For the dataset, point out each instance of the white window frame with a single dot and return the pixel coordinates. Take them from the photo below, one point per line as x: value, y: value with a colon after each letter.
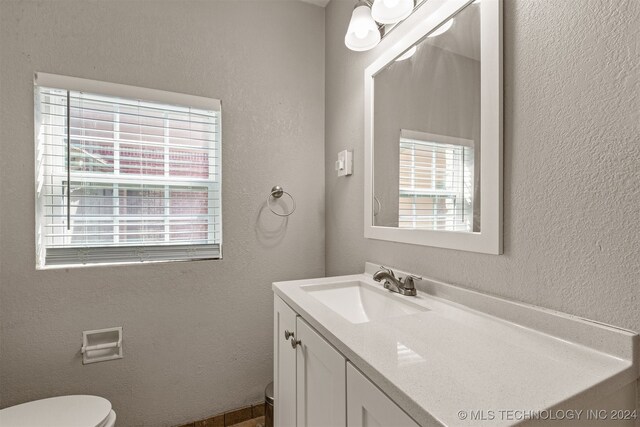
x: 139, y: 253
x: 406, y: 136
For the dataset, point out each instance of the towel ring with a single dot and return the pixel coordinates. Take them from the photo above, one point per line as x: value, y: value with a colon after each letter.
x: 377, y: 201
x: 276, y: 193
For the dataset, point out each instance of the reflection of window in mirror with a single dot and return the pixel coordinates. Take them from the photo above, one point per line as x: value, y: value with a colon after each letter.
x: 436, y: 182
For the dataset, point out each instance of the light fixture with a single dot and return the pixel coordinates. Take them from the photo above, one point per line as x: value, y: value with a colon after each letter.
x: 391, y: 11
x: 442, y: 29
x: 408, y: 54
x: 363, y: 33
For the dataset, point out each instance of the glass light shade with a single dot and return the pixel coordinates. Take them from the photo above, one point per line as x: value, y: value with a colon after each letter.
x: 408, y: 54
x: 363, y: 32
x: 443, y: 29
x: 391, y: 11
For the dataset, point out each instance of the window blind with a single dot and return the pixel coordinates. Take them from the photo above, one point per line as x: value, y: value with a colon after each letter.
x: 436, y: 182
x: 125, y: 179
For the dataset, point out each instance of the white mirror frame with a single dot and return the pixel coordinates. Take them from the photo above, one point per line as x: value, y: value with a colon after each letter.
x: 415, y: 28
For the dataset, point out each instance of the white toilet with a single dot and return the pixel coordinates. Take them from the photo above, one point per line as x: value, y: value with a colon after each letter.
x: 61, y: 411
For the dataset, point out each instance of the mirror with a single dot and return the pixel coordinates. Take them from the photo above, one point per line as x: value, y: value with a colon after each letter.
x: 433, y: 130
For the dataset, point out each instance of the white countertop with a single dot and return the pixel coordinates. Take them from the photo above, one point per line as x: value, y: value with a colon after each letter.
x: 456, y: 357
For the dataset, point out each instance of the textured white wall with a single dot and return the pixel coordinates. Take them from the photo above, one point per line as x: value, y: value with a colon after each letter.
x: 198, y: 336
x: 571, y: 163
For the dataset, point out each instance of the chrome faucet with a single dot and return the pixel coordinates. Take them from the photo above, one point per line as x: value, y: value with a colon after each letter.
x: 396, y: 284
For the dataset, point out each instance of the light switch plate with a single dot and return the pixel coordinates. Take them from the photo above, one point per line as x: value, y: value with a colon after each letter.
x: 344, y: 164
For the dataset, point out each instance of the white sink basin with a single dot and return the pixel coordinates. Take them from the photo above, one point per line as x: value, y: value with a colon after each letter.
x: 359, y: 302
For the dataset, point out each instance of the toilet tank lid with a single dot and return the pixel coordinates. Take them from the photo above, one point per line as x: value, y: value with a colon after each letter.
x: 68, y: 411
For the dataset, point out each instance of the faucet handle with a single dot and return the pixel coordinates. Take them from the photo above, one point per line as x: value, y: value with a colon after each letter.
x: 390, y: 271
x: 409, y: 280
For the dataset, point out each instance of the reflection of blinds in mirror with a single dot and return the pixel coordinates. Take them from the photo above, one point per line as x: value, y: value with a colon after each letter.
x: 436, y: 183
x: 124, y: 180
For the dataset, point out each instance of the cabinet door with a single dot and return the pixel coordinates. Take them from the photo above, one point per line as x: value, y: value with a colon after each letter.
x: 284, y: 365
x: 367, y: 406
x: 321, y: 381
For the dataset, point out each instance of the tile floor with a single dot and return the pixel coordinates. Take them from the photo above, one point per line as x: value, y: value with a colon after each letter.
x: 249, y: 416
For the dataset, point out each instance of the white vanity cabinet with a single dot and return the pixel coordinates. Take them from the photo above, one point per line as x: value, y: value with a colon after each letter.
x: 309, y: 375
x: 381, y: 347
x: 367, y: 406
x: 315, y: 386
x: 284, y: 365
x: 321, y: 380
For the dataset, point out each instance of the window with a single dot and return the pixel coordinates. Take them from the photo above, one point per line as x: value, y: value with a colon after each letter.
x: 436, y: 182
x: 124, y: 174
